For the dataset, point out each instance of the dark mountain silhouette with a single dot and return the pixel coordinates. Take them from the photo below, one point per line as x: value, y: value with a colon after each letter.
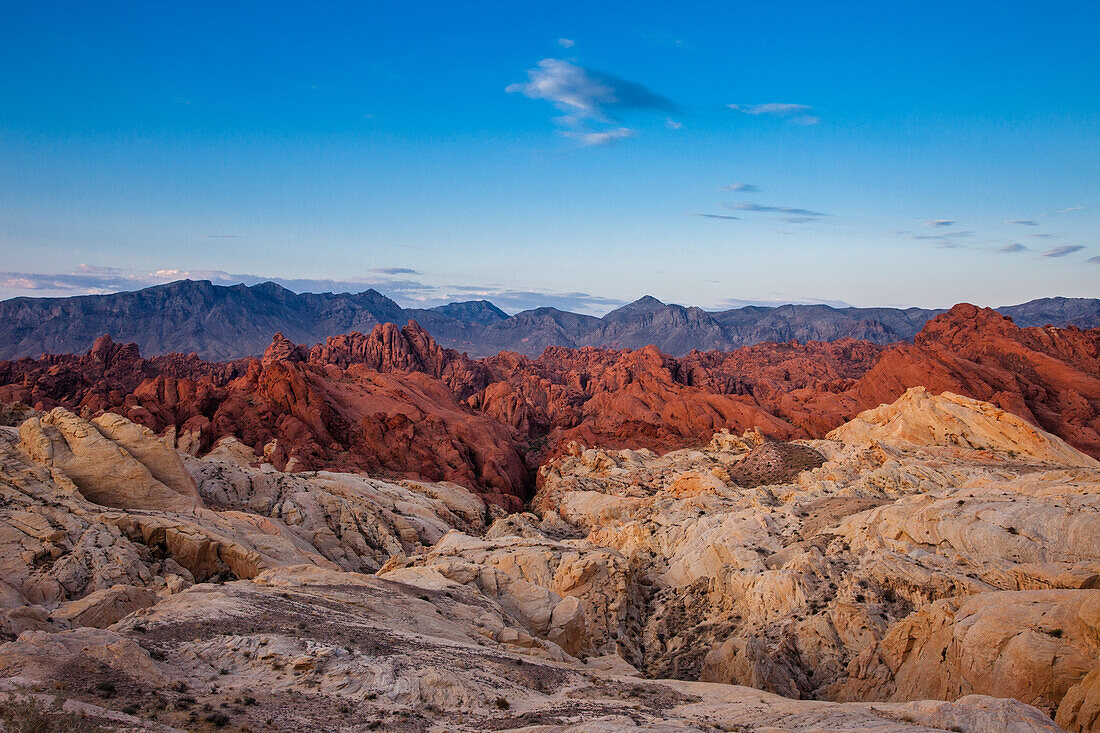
x: 227, y: 322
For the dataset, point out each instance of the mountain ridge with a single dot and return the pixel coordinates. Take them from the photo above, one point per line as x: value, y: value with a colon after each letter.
x: 225, y: 322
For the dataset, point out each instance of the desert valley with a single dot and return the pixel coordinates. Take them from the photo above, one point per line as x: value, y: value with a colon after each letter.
x: 574, y: 367
x: 376, y: 532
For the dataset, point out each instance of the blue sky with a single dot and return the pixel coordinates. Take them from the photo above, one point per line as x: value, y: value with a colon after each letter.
x: 574, y: 154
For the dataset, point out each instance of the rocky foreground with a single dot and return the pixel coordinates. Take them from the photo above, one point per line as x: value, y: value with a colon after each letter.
x: 932, y: 564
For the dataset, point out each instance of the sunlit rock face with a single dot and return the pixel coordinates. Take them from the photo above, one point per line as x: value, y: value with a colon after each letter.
x: 934, y: 563
x: 394, y: 402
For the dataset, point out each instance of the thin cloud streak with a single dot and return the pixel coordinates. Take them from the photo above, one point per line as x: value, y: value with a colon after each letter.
x: 750, y: 206
x: 513, y: 301
x: 777, y: 301
x: 1063, y: 251
x: 946, y: 235
x: 716, y: 216
x: 797, y: 113
x: 393, y: 271
x: 742, y: 187
x: 604, y: 137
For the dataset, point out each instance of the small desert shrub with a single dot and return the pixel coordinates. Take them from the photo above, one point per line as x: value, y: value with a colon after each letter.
x: 219, y: 720
x: 30, y: 715
x: 501, y: 703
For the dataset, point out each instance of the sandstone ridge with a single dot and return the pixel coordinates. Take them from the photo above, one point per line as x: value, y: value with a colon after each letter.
x: 932, y: 565
x: 919, y: 418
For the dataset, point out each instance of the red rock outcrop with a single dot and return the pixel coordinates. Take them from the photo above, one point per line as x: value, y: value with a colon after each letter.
x: 394, y: 400
x: 1048, y: 376
x: 639, y: 398
x: 296, y: 409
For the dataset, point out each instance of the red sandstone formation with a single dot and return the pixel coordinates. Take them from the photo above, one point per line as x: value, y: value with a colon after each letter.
x: 294, y: 405
x: 639, y: 398
x: 1048, y: 376
x: 395, y: 401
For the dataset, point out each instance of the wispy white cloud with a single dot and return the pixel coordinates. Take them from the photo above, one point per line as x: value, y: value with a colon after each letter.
x: 1094, y: 260
x: 566, y: 43
x: 602, y: 137
x: 961, y: 234
x: 750, y: 206
x: 1068, y: 209
x: 798, y: 113
x: 76, y: 283
x: 938, y: 222
x: 592, y: 102
x: 772, y: 108
x: 1064, y: 250
x: 716, y: 216
x: 742, y: 187
x: 1023, y: 222
x: 99, y: 269
x: 393, y: 271
x: 1012, y: 248
x: 776, y: 300
x: 514, y: 300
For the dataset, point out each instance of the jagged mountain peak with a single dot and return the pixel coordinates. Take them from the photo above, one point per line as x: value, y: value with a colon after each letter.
x: 644, y: 304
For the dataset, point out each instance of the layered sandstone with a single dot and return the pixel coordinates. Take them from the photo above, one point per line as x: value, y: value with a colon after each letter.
x: 901, y: 582
x: 919, y: 418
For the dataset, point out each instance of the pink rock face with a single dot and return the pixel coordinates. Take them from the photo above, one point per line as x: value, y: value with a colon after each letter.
x: 395, y: 401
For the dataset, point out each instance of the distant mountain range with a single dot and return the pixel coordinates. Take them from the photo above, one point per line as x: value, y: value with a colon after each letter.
x: 227, y: 322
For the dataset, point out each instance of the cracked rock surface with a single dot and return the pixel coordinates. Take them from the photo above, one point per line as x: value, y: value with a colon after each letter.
x: 932, y: 565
